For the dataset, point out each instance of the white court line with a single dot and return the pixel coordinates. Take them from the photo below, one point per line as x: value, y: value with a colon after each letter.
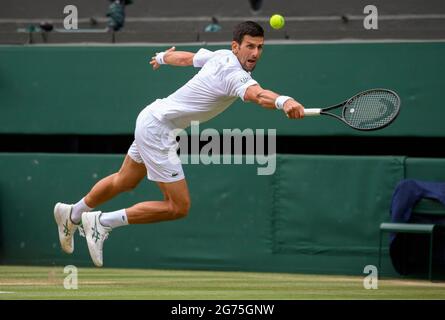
x: 6, y: 292
x: 223, y: 43
x: 235, y: 19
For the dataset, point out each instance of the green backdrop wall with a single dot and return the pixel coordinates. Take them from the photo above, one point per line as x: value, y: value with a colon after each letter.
x: 51, y: 89
x: 316, y: 214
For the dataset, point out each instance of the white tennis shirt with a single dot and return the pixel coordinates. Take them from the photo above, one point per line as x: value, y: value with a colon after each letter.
x: 215, y: 87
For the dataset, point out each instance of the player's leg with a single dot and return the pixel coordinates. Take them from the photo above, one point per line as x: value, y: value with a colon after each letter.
x: 157, y: 149
x: 126, y: 179
x: 176, y: 205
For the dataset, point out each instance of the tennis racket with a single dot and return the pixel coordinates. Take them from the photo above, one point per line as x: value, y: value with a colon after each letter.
x: 368, y: 110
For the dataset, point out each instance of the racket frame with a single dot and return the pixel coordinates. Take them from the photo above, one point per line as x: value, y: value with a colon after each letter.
x: 323, y: 111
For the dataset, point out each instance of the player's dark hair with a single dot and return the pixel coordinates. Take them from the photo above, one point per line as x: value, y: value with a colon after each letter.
x: 249, y: 28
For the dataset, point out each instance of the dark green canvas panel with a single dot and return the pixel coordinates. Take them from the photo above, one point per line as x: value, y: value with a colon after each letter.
x: 429, y: 169
x: 101, y: 89
x: 332, y: 205
x: 238, y: 220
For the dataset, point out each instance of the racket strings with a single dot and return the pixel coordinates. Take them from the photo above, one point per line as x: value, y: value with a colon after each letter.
x: 371, y: 110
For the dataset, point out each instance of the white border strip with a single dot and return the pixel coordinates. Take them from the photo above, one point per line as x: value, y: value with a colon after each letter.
x: 226, y: 43
x: 237, y: 19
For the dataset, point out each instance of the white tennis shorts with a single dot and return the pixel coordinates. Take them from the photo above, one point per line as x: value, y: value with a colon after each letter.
x: 155, y: 145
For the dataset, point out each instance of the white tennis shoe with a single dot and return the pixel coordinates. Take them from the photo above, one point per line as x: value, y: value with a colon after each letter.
x: 95, y: 234
x: 66, y: 228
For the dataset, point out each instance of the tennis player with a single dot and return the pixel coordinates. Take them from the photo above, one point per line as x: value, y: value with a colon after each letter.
x: 225, y: 75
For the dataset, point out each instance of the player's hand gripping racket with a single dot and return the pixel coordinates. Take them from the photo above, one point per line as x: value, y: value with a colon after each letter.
x: 368, y: 110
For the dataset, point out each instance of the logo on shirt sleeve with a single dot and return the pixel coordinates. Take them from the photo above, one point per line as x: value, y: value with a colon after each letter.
x: 244, y: 79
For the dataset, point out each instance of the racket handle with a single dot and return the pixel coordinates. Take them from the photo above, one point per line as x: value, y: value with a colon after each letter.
x: 312, y: 112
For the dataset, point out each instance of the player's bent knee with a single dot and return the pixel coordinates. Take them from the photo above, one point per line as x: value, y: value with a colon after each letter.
x: 184, y: 211
x: 179, y: 211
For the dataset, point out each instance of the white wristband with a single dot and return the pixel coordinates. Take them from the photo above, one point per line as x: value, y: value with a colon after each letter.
x: 279, y: 102
x: 160, y: 58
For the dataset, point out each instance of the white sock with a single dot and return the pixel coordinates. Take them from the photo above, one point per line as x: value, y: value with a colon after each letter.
x: 114, y: 219
x: 78, y: 209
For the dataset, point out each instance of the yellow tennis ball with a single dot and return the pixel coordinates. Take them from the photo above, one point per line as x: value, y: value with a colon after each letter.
x: 277, y: 21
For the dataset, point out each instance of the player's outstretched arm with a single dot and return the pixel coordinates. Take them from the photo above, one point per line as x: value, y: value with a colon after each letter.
x: 172, y: 57
x: 272, y: 100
